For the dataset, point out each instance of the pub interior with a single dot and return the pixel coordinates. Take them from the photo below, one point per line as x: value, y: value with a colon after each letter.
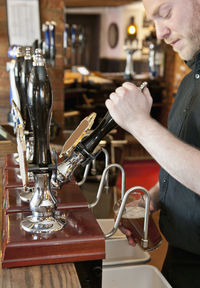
x: 64, y: 162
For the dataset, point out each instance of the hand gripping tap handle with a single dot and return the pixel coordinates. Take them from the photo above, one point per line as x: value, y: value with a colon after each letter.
x: 104, y: 127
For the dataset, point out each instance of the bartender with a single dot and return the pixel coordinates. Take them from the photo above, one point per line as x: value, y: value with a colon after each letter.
x: 177, y: 194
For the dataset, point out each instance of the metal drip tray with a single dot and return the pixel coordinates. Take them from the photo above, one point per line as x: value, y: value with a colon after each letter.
x: 118, y: 251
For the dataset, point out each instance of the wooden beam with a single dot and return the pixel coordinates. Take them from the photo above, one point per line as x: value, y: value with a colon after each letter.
x: 97, y: 3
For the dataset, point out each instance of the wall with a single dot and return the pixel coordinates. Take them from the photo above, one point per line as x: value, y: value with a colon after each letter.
x: 121, y: 16
x: 54, y: 10
x: 4, y: 80
x: 49, y: 10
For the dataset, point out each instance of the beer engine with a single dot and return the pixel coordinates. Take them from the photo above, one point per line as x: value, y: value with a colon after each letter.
x: 22, y: 128
x: 130, y: 48
x: 13, y: 89
x: 14, y: 68
x: 46, y: 41
x: 52, y: 29
x: 46, y: 225
x: 74, y: 43
x: 43, y: 202
x: 48, y: 44
x: 17, y: 70
x: 82, y: 153
x: 66, y: 45
x: 25, y: 73
x: 71, y: 234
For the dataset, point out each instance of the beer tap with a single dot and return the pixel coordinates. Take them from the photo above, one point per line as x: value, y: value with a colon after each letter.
x: 130, y: 47
x: 81, y: 42
x: 14, y: 94
x: 46, y: 42
x: 43, y: 202
x: 24, y: 135
x: 82, y: 152
x: 52, y: 30
x: 14, y: 69
x: 74, y: 41
x: 66, y: 44
x: 18, y: 68
x: 25, y: 73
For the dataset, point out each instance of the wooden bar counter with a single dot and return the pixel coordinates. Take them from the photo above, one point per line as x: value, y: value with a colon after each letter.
x: 56, y: 275
x: 44, y: 276
x: 41, y: 276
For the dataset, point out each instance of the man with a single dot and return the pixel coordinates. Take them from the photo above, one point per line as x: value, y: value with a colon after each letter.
x: 177, y: 151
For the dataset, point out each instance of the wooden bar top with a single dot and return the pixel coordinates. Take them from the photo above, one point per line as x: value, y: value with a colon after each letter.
x: 43, y: 276
x: 55, y: 275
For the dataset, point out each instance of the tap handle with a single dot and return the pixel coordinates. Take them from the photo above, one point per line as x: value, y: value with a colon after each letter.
x: 52, y: 29
x: 17, y: 71
x: 40, y: 105
x: 66, y: 36
x: 104, y: 127
x: 46, y: 43
x: 25, y: 74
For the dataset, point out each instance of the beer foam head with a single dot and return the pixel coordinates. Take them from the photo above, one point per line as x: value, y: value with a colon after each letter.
x: 134, y: 212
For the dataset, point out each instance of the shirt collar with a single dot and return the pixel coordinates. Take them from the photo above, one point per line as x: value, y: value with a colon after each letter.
x: 194, y: 63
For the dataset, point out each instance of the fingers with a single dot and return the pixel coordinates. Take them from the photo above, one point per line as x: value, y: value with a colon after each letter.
x: 129, y: 235
x: 116, y: 96
x: 113, y: 96
x: 131, y: 241
x: 129, y: 85
x: 125, y: 231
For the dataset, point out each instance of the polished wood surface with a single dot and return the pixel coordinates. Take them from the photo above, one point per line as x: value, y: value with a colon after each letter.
x: 69, y: 196
x: 80, y: 240
x: 12, y: 178
x: 11, y: 161
x: 57, y: 275
x: 7, y: 146
x: 44, y: 276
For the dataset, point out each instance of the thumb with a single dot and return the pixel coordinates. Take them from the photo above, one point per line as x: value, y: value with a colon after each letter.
x: 147, y: 94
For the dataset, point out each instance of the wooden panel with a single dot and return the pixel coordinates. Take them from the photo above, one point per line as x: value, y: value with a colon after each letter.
x: 96, y: 3
x: 80, y: 240
x: 4, y: 82
x: 69, y: 196
x: 12, y: 178
x: 51, y: 276
x: 64, y: 275
x: 54, y: 11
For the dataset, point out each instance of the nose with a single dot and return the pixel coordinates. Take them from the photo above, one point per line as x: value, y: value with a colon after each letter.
x: 162, y: 31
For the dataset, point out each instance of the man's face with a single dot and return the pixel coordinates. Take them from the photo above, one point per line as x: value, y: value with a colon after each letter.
x: 177, y: 23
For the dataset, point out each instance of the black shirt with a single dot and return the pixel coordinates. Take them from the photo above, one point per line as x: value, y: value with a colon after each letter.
x: 180, y: 207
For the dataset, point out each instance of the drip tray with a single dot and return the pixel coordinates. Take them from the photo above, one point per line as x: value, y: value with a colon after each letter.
x: 118, y: 251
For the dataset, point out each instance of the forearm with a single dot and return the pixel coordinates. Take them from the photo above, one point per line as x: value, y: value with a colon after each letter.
x: 176, y: 157
x: 154, y: 197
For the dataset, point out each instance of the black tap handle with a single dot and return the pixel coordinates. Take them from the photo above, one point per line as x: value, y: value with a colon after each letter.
x: 104, y: 127
x: 40, y: 104
x: 26, y: 70
x: 17, y: 71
